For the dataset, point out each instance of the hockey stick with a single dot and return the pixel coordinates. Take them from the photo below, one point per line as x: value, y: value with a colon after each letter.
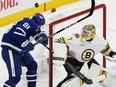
x: 90, y: 13
x: 48, y: 48
x: 84, y: 78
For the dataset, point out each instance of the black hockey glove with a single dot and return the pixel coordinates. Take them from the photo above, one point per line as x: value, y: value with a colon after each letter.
x: 112, y: 56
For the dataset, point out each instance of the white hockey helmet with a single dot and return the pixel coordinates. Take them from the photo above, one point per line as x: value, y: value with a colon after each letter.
x: 88, y: 32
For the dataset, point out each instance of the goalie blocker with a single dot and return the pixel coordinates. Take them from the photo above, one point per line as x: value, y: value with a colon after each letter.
x: 59, y: 56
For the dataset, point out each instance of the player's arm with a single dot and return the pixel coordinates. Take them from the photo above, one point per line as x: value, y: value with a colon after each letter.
x: 67, y: 40
x: 61, y: 50
x: 21, y: 38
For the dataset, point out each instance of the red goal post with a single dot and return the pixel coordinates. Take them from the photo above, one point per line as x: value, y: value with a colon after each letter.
x: 101, y: 6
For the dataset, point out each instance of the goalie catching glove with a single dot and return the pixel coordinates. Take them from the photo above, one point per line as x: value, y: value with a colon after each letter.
x: 112, y: 56
x: 42, y: 38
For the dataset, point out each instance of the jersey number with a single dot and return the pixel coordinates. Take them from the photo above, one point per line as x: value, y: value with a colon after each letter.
x: 26, y: 25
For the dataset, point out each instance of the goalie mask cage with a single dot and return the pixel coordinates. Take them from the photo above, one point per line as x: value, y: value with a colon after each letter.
x: 51, y: 28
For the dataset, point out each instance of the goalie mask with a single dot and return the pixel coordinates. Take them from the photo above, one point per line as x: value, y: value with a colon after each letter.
x: 88, y: 32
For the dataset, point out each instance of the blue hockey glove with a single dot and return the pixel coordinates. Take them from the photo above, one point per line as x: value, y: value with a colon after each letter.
x: 42, y: 38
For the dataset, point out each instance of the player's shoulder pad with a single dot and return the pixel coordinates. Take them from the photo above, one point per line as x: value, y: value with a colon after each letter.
x: 31, y: 23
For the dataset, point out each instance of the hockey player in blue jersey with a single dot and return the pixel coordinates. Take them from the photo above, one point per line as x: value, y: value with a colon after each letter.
x: 16, y: 44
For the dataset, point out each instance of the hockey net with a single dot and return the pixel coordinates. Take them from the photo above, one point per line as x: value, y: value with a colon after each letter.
x: 49, y: 74
x: 98, y: 19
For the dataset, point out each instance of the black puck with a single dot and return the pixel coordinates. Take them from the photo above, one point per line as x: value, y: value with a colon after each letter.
x: 36, y: 5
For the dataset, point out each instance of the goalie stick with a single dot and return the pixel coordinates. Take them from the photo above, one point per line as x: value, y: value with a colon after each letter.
x: 90, y: 13
x: 84, y: 78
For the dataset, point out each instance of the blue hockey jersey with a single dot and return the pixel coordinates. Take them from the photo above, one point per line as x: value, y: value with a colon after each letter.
x: 20, y: 35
